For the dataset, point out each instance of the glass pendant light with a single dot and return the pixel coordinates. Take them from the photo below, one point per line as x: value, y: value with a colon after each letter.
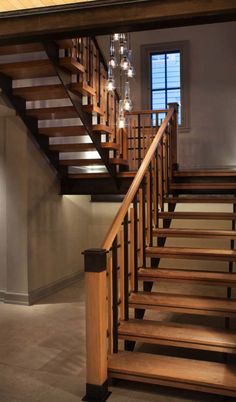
x: 121, y: 115
x: 124, y: 63
x: 116, y: 37
x: 110, y: 82
x: 112, y: 61
x: 130, y: 71
x: 127, y: 103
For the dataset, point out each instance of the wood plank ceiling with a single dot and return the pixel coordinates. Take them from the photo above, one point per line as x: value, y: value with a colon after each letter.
x: 12, y: 5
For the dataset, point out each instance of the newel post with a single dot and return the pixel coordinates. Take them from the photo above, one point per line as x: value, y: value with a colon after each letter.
x: 174, y: 138
x: 96, y: 325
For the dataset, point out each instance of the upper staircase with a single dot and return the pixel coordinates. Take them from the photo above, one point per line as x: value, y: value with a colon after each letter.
x: 165, y: 280
x: 58, y: 89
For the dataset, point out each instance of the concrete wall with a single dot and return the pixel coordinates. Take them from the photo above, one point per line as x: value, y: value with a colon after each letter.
x: 42, y: 233
x: 211, y: 140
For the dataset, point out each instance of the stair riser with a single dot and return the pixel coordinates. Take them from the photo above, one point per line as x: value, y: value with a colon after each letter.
x: 186, y: 281
x: 192, y: 257
x: 196, y: 236
x: 186, y: 345
x: 195, y: 191
x: 204, y: 180
x: 172, y: 384
x: 183, y: 310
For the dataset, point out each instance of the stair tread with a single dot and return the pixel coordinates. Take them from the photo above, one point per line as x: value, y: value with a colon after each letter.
x: 200, y: 199
x: 28, y: 69
x: 88, y: 176
x: 204, y: 185
x: 208, y: 277
x: 198, y: 215
x: 81, y: 162
x: 47, y: 113
x: 102, y: 128
x: 186, y: 302
x: 176, y: 332
x: 190, y: 252
x: 71, y: 64
x: 21, y: 48
x: 83, y: 88
x: 63, y: 131
x: 81, y: 147
x: 32, y: 47
x: 205, y: 173
x: 121, y: 175
x: 174, y: 371
x: 119, y: 161
x: 41, y: 92
x: 93, y: 109
x: 72, y: 147
x: 180, y: 232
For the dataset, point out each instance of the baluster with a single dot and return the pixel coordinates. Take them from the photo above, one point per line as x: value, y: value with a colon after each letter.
x: 139, y: 140
x: 157, y: 187
x: 115, y: 296
x: 174, y: 123
x: 144, y: 197
x: 162, y: 172
x: 140, y: 227
x: 131, y: 250
x: 109, y: 301
x: 122, y: 274
x: 126, y: 268
x: 135, y: 248
x: 148, y: 204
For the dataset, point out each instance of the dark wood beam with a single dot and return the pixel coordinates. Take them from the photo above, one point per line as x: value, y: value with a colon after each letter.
x: 103, y: 17
x: 95, y: 186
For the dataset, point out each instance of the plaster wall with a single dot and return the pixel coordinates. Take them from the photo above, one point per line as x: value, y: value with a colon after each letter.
x: 211, y: 140
x: 42, y: 233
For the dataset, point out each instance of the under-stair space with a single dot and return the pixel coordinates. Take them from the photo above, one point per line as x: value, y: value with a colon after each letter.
x: 167, y: 266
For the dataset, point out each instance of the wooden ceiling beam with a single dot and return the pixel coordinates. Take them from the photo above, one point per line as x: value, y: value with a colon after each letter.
x: 103, y: 17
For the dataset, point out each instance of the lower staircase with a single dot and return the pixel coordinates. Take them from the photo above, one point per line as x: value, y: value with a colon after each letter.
x: 173, y: 320
x: 170, y: 262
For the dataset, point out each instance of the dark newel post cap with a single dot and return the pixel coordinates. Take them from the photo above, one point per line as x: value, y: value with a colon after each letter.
x: 95, y: 260
x: 174, y: 105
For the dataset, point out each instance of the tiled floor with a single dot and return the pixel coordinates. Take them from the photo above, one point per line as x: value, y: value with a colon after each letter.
x: 42, y: 355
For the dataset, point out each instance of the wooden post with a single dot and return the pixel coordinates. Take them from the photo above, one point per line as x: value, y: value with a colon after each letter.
x: 96, y: 325
x: 173, y: 140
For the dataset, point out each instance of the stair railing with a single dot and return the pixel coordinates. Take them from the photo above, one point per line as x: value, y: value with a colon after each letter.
x: 106, y: 104
x: 112, y: 271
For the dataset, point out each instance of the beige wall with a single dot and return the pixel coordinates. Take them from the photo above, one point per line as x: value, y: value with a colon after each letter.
x: 42, y: 234
x: 102, y: 215
x: 211, y: 140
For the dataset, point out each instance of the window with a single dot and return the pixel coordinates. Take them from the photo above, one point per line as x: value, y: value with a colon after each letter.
x: 167, y: 81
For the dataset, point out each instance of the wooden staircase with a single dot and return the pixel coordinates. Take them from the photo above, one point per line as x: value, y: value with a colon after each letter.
x: 170, y: 368
x: 58, y: 89
x: 170, y: 262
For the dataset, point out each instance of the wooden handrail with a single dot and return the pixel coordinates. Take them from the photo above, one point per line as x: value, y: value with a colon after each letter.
x: 153, y: 111
x: 107, y: 243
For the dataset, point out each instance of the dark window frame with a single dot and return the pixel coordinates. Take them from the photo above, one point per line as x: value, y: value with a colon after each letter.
x: 159, y: 48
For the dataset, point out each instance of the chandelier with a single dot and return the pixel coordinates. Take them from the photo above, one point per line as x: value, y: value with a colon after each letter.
x: 121, y: 68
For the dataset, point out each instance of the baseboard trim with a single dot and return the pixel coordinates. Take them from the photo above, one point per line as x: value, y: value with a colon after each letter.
x: 27, y: 299
x: 53, y: 287
x: 15, y: 298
